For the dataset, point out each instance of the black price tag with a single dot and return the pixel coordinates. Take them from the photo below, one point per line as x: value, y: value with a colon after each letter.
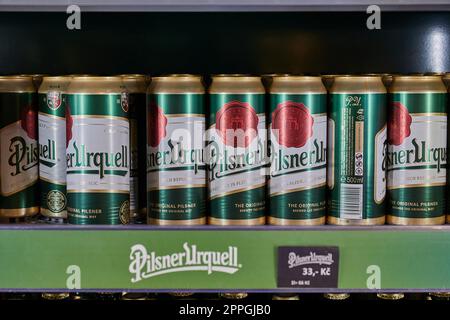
x: 308, y: 267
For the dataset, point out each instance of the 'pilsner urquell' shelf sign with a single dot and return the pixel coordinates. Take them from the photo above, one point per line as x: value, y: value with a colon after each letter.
x: 146, y: 258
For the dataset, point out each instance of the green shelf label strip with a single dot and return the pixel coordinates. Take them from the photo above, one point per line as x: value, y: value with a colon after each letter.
x: 211, y: 259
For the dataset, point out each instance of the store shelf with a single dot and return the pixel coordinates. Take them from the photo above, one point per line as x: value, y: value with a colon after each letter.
x: 38, y: 257
x: 225, y: 5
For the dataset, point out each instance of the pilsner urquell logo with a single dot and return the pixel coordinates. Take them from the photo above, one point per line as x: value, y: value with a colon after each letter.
x: 179, y: 152
x: 146, y: 264
x: 24, y: 156
x: 237, y: 124
x: 106, y: 163
x: 292, y: 124
x: 54, y: 99
x: 421, y: 153
x: 295, y: 260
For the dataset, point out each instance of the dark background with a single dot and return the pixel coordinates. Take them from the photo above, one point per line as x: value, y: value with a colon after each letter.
x: 204, y: 43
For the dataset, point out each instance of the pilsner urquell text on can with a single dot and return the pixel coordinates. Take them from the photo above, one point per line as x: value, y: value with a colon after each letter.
x: 136, y: 86
x: 417, y: 150
x: 52, y: 147
x: 357, y: 151
x: 176, y: 172
x: 237, y: 151
x: 19, y: 154
x: 298, y: 144
x: 98, y: 151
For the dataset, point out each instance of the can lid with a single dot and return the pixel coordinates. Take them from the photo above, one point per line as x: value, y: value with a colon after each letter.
x: 177, y: 84
x: 178, y: 75
x: 95, y: 78
x: 17, y: 83
x: 131, y: 75
x: 232, y: 75
x: 418, y: 84
x: 235, y: 83
x: 297, y: 85
x: 357, y: 84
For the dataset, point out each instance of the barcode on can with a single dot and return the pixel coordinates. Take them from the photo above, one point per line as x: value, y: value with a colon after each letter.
x: 351, y: 201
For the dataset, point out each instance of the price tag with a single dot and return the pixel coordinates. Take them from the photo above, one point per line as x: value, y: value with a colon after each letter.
x: 308, y: 267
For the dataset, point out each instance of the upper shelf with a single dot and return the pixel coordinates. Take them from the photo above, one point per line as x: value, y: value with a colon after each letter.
x: 225, y: 5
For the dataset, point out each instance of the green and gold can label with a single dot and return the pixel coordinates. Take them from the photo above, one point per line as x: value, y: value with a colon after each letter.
x: 52, y: 154
x: 298, y: 146
x: 357, y: 158
x: 176, y: 172
x: 19, y: 155
x: 237, y: 151
x: 417, y: 158
x: 98, y: 158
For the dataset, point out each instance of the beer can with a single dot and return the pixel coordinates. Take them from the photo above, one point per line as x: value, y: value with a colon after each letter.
x: 136, y: 87
x: 417, y: 151
x: 19, y: 154
x: 357, y: 151
x: 98, y: 151
x: 52, y: 147
x: 237, y: 151
x: 298, y: 146
x: 176, y: 171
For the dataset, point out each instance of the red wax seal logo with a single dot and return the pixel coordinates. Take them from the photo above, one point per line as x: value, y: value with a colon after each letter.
x: 292, y: 124
x: 69, y: 125
x: 399, y: 123
x: 237, y: 124
x: 157, y: 123
x: 28, y: 121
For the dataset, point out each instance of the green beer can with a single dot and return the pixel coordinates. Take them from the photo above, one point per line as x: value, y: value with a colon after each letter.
x: 176, y: 172
x: 298, y: 145
x: 136, y: 86
x: 357, y: 151
x: 98, y: 151
x: 237, y: 150
x: 52, y: 147
x: 19, y: 154
x: 417, y: 151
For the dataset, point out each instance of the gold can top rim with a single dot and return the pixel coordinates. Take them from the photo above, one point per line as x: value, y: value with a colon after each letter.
x: 15, y: 77
x: 298, y: 77
x: 96, y: 78
x: 418, y: 77
x: 132, y: 75
x: 177, y: 75
x: 50, y: 78
x: 357, y: 76
x: 234, y: 75
x: 281, y: 74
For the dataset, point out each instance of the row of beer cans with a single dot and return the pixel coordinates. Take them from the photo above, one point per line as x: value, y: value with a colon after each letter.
x: 248, y: 150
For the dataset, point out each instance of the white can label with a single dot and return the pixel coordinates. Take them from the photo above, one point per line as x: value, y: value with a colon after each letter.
x: 52, y: 148
x: 98, y: 155
x: 18, y: 159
